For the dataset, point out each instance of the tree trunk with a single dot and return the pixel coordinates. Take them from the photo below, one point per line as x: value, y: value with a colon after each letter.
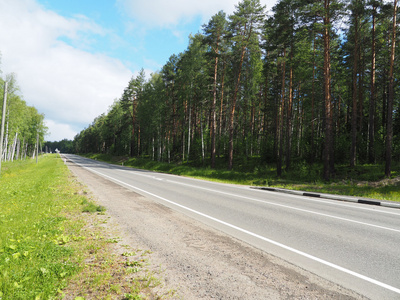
x: 202, y: 136
x: 328, y: 143
x: 189, y: 132
x: 265, y: 120
x: 3, y: 119
x: 371, y: 121
x: 389, y: 127
x: 133, y: 144
x: 213, y: 111
x: 289, y: 114
x: 232, y: 115
x: 280, y: 122
x: 138, y: 145
x: 353, y: 151
x: 313, y: 103
x: 222, y: 124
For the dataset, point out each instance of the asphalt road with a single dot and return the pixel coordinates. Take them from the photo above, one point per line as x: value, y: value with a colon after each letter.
x: 354, y: 245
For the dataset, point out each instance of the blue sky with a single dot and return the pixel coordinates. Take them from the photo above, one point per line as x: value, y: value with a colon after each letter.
x: 73, y: 58
x: 147, y: 46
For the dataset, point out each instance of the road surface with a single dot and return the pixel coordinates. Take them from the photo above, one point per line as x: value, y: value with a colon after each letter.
x: 353, y: 245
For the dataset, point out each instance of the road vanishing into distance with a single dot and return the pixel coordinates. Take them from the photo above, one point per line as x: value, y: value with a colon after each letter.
x: 354, y: 245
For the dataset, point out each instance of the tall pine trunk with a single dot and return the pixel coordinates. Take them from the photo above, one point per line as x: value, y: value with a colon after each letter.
x: 389, y: 126
x: 222, y: 124
x: 133, y: 144
x: 232, y: 114
x: 371, y: 121
x: 328, y: 143
x: 289, y: 114
x: 353, y: 151
x: 281, y: 117
x: 213, y: 112
x: 313, y: 101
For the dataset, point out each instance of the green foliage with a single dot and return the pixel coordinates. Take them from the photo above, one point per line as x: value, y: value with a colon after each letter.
x: 91, y: 208
x: 64, y: 146
x: 23, y: 121
x: 254, y: 85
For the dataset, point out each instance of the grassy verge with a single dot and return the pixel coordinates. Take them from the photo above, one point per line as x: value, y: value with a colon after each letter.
x: 53, y: 242
x: 365, y: 181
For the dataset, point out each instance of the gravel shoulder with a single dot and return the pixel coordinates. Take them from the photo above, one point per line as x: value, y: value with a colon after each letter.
x: 196, y: 261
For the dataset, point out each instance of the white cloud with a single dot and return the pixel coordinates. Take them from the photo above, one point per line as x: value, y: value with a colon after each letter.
x: 59, y: 72
x: 59, y: 131
x: 68, y: 84
x: 170, y: 13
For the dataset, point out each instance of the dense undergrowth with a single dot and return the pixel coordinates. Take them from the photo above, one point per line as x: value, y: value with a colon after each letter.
x: 366, y: 181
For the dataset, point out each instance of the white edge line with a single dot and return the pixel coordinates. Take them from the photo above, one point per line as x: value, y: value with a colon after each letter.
x: 334, y: 202
x: 326, y: 200
x: 324, y: 262
x: 271, y: 203
x: 289, y: 207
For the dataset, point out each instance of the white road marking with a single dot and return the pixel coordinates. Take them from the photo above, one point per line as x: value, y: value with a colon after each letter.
x: 271, y: 203
x: 286, y: 206
x: 314, y: 258
x: 304, y: 198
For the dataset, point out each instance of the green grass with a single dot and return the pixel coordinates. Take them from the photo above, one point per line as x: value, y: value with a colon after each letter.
x: 367, y: 181
x: 91, y: 207
x: 53, y: 242
x: 34, y: 264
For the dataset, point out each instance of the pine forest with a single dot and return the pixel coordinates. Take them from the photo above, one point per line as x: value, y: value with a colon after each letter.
x: 311, y: 81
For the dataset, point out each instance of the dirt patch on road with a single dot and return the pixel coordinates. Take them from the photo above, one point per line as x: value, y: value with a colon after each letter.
x: 195, y: 261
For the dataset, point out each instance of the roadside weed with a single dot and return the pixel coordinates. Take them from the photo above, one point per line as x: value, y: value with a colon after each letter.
x: 35, y: 258
x: 53, y: 243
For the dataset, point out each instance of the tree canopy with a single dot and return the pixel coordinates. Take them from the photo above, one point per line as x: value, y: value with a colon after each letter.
x: 313, y: 81
x: 24, y: 125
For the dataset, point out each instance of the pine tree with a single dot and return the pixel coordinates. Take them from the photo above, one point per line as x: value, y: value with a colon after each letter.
x: 243, y: 25
x: 389, y: 126
x: 130, y: 98
x: 215, y: 32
